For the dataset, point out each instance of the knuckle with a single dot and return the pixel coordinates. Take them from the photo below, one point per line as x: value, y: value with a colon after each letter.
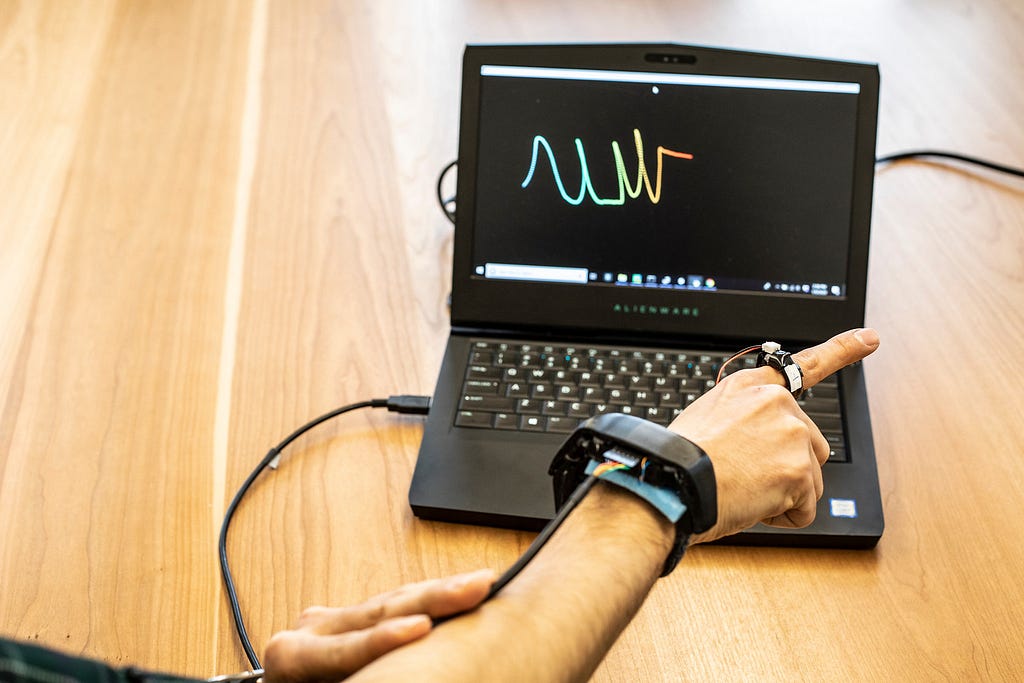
x: 311, y: 614
x: 796, y: 429
x: 795, y: 475
x: 810, y: 365
x: 742, y: 378
x: 376, y: 610
x: 776, y: 393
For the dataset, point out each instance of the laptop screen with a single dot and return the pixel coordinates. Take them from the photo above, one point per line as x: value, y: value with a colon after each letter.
x: 678, y: 188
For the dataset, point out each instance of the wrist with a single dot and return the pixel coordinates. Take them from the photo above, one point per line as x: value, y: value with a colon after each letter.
x: 613, y: 513
x: 670, y: 472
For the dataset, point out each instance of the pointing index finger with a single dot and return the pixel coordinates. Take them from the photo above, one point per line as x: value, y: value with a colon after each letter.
x: 818, y: 362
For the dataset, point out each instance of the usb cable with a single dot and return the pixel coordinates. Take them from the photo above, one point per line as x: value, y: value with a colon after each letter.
x: 414, y: 405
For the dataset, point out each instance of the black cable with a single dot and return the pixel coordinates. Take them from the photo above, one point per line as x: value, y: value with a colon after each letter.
x: 401, y: 404
x: 449, y: 213
x: 950, y: 155
x: 542, y: 538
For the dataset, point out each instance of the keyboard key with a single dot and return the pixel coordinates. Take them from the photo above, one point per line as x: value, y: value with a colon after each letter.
x: 642, y: 398
x: 814, y: 404
x: 481, y: 357
x: 688, y: 384
x: 471, y: 418
x: 530, y: 360
x: 562, y: 425
x: 532, y: 423
x: 677, y: 370
x: 669, y: 398
x: 703, y: 370
x: 513, y: 375
x: 834, y: 439
x: 528, y: 406
x: 653, y: 369
x: 580, y: 410
x: 636, y: 382
x: 825, y: 391
x: 480, y: 386
x: 627, y: 367
x: 506, y: 421
x: 618, y: 396
x: 537, y: 375
x: 517, y: 389
x: 541, y: 391
x: 483, y: 372
x: 567, y: 392
x: 827, y: 423
x: 662, y: 416
x: 611, y: 380
x: 561, y: 377
x: 506, y: 359
x: 492, y: 404
x: 553, y: 408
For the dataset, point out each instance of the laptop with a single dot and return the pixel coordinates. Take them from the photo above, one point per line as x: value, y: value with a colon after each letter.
x: 629, y: 216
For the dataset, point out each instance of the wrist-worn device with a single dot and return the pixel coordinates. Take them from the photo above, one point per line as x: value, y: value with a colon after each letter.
x: 664, y: 468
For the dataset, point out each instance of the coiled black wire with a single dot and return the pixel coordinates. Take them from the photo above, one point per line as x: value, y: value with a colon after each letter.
x: 272, y: 454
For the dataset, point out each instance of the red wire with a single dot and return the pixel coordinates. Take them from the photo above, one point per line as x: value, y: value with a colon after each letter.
x: 733, y: 357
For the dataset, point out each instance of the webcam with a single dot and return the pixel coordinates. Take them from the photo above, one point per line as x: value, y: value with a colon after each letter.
x: 667, y: 58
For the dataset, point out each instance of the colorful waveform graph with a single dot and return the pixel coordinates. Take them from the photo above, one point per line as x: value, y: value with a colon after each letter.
x: 643, y: 180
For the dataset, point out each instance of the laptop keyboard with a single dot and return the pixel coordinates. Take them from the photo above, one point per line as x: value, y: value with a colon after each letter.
x: 552, y: 388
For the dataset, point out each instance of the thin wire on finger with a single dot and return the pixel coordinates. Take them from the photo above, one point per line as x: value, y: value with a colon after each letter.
x: 738, y: 354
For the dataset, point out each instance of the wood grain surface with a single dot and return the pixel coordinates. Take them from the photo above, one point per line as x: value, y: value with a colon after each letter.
x: 217, y: 220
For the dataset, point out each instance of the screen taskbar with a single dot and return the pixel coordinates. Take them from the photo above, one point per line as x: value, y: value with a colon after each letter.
x: 703, y: 282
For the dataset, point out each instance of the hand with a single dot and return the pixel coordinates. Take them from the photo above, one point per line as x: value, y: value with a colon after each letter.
x: 330, y: 643
x: 767, y: 453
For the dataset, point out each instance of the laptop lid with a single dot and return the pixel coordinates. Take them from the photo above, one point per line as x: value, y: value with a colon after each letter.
x: 679, y: 197
x: 676, y: 192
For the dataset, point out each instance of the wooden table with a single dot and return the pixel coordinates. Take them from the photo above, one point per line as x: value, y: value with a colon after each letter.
x: 217, y: 220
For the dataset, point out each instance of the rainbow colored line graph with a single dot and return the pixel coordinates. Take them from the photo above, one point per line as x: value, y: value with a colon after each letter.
x: 643, y: 180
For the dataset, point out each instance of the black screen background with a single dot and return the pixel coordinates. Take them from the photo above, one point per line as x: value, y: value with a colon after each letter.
x: 766, y: 197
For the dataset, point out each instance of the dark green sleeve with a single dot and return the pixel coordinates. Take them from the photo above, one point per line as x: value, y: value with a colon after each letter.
x: 24, y: 663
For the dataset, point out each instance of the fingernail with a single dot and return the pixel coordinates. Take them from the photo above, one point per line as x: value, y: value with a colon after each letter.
x: 867, y: 336
x: 457, y: 583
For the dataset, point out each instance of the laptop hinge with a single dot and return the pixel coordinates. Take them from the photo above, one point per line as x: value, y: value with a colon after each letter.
x: 580, y: 336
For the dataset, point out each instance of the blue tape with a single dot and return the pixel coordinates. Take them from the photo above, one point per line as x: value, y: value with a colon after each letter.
x: 665, y: 500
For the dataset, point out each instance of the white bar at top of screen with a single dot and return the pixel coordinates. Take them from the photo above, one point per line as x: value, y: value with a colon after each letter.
x: 669, y: 79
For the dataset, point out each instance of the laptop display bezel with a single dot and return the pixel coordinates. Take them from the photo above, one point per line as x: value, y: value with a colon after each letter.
x: 486, y: 304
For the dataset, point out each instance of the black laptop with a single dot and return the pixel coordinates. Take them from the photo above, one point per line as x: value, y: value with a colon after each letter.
x: 627, y: 217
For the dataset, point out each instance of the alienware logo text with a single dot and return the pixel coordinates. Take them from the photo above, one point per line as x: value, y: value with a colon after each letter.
x: 643, y: 309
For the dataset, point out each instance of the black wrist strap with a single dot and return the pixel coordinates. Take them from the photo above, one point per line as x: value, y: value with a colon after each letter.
x: 659, y: 457
x: 652, y: 454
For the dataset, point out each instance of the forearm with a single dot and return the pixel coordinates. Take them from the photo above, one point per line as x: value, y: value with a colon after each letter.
x: 558, y: 618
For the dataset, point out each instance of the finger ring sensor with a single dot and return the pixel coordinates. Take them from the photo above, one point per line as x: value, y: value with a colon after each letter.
x: 773, y: 356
